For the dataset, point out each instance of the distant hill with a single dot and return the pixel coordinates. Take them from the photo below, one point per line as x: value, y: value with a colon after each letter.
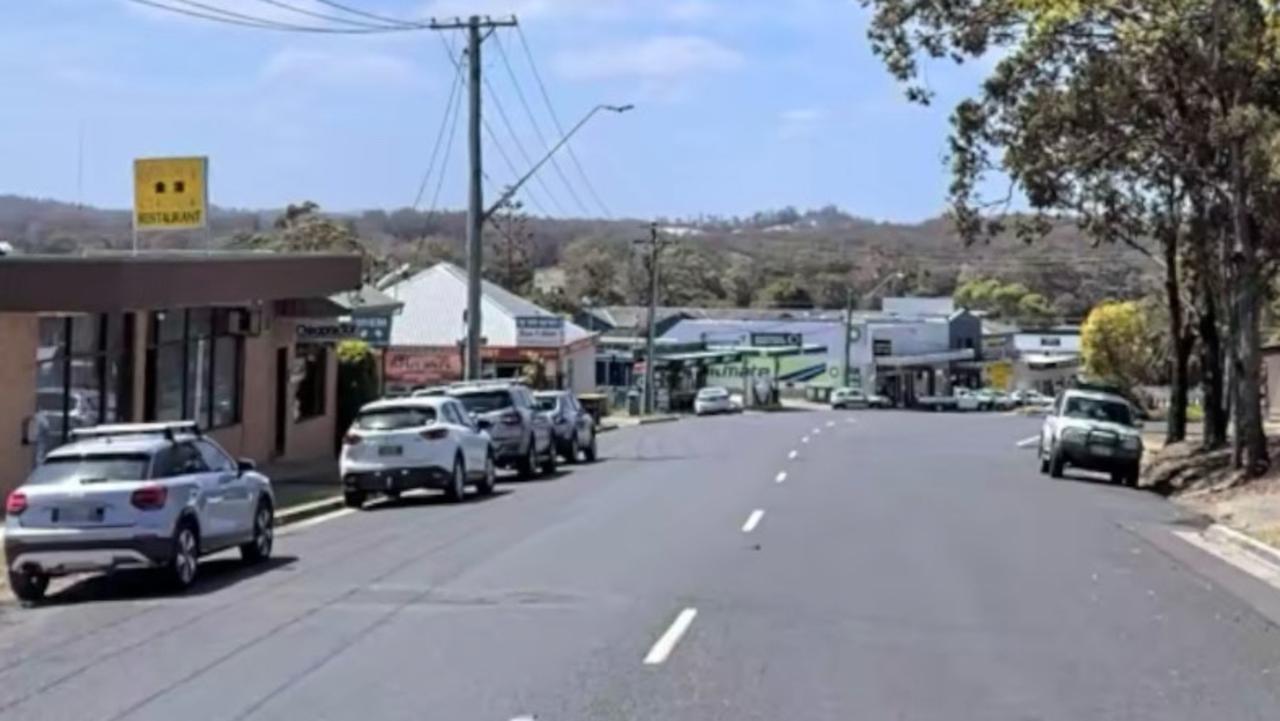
x: 822, y: 243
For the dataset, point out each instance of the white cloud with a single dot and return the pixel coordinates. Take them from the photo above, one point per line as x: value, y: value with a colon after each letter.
x: 332, y: 67
x: 660, y: 57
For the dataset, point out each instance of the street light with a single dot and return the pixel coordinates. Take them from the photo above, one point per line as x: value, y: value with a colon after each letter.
x: 511, y: 191
x: 848, y: 317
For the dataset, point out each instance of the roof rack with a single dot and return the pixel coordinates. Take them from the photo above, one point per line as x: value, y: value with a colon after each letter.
x: 169, y: 429
x: 487, y: 383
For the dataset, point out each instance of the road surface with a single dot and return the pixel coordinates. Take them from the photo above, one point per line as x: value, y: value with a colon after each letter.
x: 804, y: 565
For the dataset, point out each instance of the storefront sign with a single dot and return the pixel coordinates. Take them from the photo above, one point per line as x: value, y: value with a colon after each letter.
x: 540, y: 331
x: 325, y: 331
x: 775, y: 340
x: 422, y: 367
x: 170, y: 193
x: 373, y: 329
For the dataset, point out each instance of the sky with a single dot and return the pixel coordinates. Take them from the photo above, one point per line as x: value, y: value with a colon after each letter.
x: 740, y: 106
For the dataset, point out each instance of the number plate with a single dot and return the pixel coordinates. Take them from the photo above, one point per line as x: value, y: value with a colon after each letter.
x: 78, y: 514
x: 390, y: 450
x: 1102, y: 450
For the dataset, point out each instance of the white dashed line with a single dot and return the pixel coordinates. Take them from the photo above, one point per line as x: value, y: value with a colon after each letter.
x: 805, y: 439
x: 1028, y: 442
x: 667, y: 643
x: 831, y: 424
x: 752, y: 521
x: 816, y: 430
x: 782, y: 476
x: 850, y: 421
x: 792, y: 455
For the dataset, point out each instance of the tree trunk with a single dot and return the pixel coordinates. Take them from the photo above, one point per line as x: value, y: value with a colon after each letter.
x: 1211, y: 366
x: 1251, y: 440
x: 1180, y: 349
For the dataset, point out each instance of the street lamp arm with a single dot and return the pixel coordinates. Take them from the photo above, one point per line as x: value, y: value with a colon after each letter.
x: 510, y: 192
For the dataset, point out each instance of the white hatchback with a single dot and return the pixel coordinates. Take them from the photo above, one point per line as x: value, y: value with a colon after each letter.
x: 420, y: 442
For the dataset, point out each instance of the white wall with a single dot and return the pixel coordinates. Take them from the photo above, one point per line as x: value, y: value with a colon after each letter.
x: 583, y: 379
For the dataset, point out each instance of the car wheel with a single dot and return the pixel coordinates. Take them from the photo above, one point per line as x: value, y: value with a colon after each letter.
x: 457, y: 488
x: 1056, y: 463
x: 572, y: 456
x: 590, y: 453
x: 549, y: 464
x: 28, y: 586
x: 353, y: 499
x: 487, y: 485
x: 1132, y: 475
x: 264, y: 535
x: 186, y: 556
x: 528, y: 466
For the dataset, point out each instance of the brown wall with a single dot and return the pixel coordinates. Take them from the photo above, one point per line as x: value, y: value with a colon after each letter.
x: 19, y: 336
x: 1271, y: 363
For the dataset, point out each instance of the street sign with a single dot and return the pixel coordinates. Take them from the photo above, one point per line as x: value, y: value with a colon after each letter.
x: 325, y: 331
x: 775, y: 340
x: 539, y: 331
x: 373, y: 329
x: 170, y: 193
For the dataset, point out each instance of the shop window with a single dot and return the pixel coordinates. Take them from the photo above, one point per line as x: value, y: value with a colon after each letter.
x: 309, y: 365
x: 82, y: 376
x: 194, y: 369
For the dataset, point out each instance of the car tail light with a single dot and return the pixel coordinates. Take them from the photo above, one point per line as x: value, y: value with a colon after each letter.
x: 435, y: 434
x: 511, y: 419
x: 16, y: 503
x: 351, y: 439
x: 149, y: 497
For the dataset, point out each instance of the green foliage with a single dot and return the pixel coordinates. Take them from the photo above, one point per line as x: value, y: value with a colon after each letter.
x: 1114, y: 343
x: 1006, y: 301
x: 358, y: 381
x: 785, y: 293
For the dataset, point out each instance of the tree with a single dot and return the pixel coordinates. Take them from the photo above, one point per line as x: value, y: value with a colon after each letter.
x: 508, y: 252
x: 358, y: 381
x: 302, y: 229
x: 785, y: 293
x: 594, y: 271
x: 1114, y: 343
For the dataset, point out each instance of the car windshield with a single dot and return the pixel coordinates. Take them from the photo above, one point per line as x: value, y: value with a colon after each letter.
x: 394, y: 419
x: 1096, y: 409
x: 712, y: 393
x: 547, y: 403
x: 57, y: 469
x: 485, y: 401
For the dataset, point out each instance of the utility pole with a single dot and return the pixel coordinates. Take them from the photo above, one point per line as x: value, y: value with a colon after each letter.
x: 655, y: 249
x: 848, y: 328
x: 475, y: 205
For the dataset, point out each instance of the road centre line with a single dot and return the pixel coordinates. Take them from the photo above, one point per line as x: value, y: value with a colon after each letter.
x: 816, y: 430
x: 1027, y: 442
x: 831, y: 424
x: 782, y: 476
x: 805, y: 439
x: 752, y: 521
x: 667, y: 642
x: 792, y: 455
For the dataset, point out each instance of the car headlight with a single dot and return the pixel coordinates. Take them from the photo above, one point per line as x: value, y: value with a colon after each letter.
x: 1074, y: 435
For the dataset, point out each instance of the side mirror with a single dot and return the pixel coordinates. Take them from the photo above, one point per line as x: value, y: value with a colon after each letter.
x: 244, y: 465
x: 484, y: 424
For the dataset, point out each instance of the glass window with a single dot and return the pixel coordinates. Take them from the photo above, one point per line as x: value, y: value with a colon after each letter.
x: 82, y: 376
x: 486, y: 401
x: 226, y: 381
x: 86, y: 334
x: 467, y: 420
x: 167, y: 386
x: 546, y: 403
x: 199, y: 379
x: 394, y: 419
x: 179, y: 459
x: 194, y: 370
x: 214, y: 458
x: 309, y: 381
x: 90, y: 468
x: 1099, y: 410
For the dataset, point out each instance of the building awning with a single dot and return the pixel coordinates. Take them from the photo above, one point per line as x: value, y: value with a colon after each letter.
x: 120, y: 281
x: 696, y: 356
x: 924, y: 359
x: 1038, y: 360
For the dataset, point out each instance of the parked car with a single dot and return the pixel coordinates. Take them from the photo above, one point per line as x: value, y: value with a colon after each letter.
x: 411, y: 443
x: 849, y: 398
x: 155, y: 496
x: 520, y: 433
x: 995, y: 400
x: 1094, y: 430
x: 713, y: 399
x: 875, y: 400
x: 573, y: 428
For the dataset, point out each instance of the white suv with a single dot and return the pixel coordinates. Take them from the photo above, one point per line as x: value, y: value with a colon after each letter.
x: 1094, y: 430
x: 419, y: 442
x: 141, y: 495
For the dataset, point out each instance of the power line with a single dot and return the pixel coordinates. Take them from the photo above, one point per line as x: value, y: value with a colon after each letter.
x: 537, y: 129
x: 331, y: 18
x: 372, y: 16
x: 506, y: 121
x: 546, y: 98
x: 450, y: 107
x: 213, y: 13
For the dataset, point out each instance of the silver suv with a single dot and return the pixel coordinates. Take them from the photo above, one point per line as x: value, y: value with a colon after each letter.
x: 156, y: 495
x: 521, y: 434
x: 1095, y: 430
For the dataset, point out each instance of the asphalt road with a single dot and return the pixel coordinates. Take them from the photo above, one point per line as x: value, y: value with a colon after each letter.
x: 909, y: 566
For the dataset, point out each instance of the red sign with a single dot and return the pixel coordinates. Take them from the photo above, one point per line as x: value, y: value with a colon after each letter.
x: 427, y: 366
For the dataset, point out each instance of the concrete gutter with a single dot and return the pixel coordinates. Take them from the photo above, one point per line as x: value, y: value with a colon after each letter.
x: 1261, y: 551
x: 295, y: 514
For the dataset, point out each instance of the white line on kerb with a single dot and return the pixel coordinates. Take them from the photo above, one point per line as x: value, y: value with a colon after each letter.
x: 792, y: 455
x: 752, y: 521
x: 667, y: 643
x: 782, y: 476
x: 1027, y: 442
x: 301, y: 525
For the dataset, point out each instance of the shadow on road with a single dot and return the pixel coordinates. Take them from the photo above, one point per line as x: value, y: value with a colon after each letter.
x: 215, y: 574
x: 429, y: 498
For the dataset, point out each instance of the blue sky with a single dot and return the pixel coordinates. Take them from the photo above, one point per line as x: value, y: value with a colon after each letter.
x: 741, y: 105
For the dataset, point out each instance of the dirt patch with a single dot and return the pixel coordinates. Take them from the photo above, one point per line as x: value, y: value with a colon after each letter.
x: 1206, y: 483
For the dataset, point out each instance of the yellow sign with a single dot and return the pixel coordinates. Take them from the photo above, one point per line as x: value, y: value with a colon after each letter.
x: 1000, y: 375
x: 170, y: 193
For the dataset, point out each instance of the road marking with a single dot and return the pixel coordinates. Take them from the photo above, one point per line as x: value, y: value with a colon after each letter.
x: 300, y: 525
x: 1028, y: 442
x: 805, y: 439
x: 752, y: 521
x: 667, y: 643
x: 782, y: 476
x: 1241, y: 559
x: 831, y: 424
x: 792, y: 455
x: 816, y: 430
